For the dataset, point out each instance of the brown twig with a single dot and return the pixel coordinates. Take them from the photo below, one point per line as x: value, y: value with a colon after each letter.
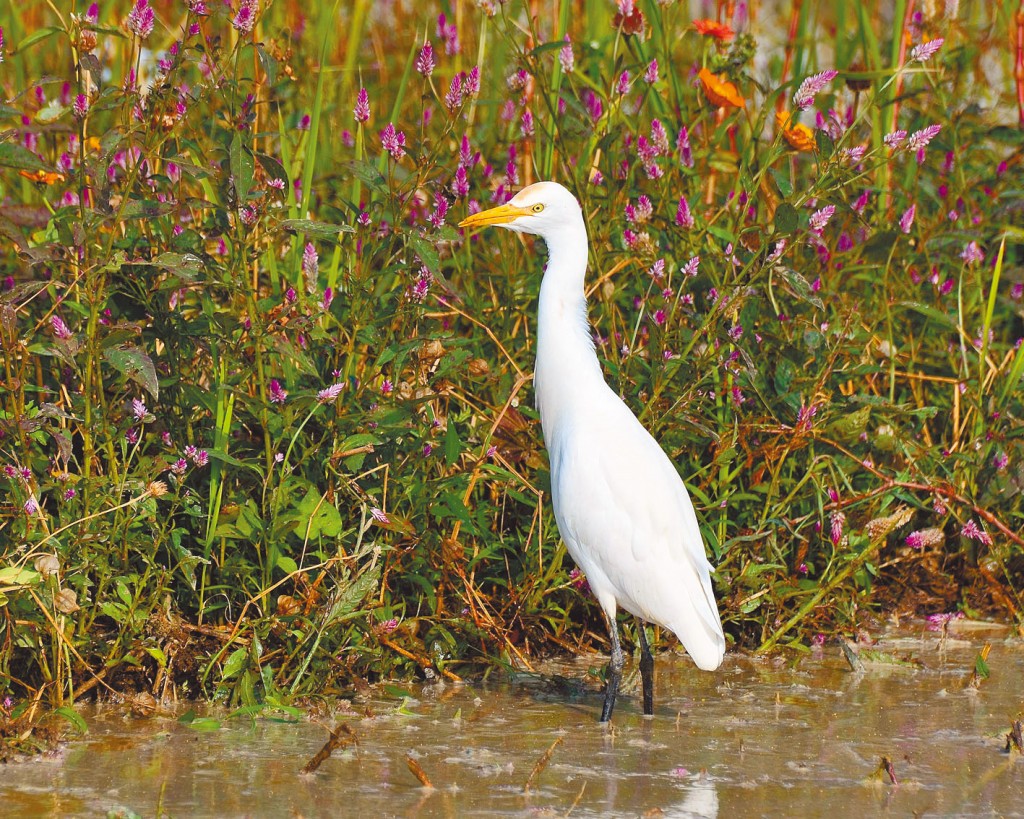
x: 339, y: 738
x: 542, y: 763
x: 947, y: 492
x: 423, y: 662
x: 418, y: 772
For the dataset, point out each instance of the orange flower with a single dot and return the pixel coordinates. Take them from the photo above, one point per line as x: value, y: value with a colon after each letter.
x: 46, y: 177
x: 712, y: 28
x: 721, y: 93
x: 799, y: 136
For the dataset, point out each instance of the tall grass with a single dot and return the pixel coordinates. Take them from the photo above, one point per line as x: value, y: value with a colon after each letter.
x: 267, y: 425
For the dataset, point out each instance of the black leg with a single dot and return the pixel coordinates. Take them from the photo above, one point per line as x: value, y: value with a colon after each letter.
x: 646, y: 669
x: 614, y: 673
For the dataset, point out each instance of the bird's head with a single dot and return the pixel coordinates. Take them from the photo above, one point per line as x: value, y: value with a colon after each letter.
x: 544, y: 209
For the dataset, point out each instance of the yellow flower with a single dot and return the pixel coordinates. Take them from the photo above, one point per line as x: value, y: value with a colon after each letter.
x: 799, y: 136
x: 721, y: 93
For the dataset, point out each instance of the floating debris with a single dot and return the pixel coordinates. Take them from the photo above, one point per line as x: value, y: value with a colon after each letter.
x: 340, y: 737
x: 981, y: 671
x: 542, y: 763
x: 1015, y: 738
x: 419, y: 773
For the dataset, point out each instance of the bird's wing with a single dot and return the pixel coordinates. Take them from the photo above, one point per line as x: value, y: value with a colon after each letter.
x: 622, y: 506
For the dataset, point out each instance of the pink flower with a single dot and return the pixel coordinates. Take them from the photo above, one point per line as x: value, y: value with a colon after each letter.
x: 907, y: 219
x: 310, y: 266
x: 139, y: 409
x: 837, y: 522
x: 380, y: 516
x: 80, y: 107
x: 362, y: 107
x: 578, y: 581
x: 622, y: 85
x: 425, y: 60
x: 690, y: 268
x: 393, y: 141
x: 448, y: 32
x: 820, y: 218
x: 684, y: 218
x: 331, y: 393
x: 453, y: 99
x: 813, y: 85
x: 278, y: 394
x: 938, y: 621
x: 566, y: 58
x: 526, y: 123
x: 460, y: 184
x: 918, y: 140
x: 925, y: 51
x: 140, y: 19
x: 895, y: 140
x: 245, y: 19
x: 972, y: 254
x: 651, y: 74
x: 972, y: 531
x: 60, y: 329
x: 683, y: 146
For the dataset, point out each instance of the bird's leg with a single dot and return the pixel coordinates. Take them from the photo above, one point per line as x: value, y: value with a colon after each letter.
x: 646, y: 668
x: 614, y: 674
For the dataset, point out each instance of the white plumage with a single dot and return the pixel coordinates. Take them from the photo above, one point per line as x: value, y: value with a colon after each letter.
x: 621, y: 507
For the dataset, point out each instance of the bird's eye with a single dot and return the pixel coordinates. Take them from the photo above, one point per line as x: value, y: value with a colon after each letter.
x: 537, y: 208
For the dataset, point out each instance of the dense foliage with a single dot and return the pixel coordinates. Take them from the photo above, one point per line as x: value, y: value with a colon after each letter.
x: 267, y: 427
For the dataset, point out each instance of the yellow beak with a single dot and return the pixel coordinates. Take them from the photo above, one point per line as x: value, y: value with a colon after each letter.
x: 495, y: 216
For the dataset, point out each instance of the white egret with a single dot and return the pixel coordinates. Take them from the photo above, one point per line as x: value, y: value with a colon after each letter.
x: 621, y: 507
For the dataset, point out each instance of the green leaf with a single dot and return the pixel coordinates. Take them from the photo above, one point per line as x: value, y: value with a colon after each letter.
x: 427, y: 253
x: 17, y: 156
x: 316, y: 517
x: 18, y: 576
x: 784, y: 183
x: 981, y: 667
x: 273, y: 167
x: 355, y: 593
x: 801, y: 287
x: 367, y: 173
x: 235, y: 663
x: 242, y: 168
x: 287, y: 564
x: 133, y: 363
x: 785, y: 371
x: 826, y: 146
x: 157, y: 655
x: 786, y: 218
x: 319, y: 230
x: 145, y: 209
x: 269, y: 65
x: 185, y: 265
x: 452, y: 445
x: 38, y: 36
x: 72, y: 716
x: 205, y: 724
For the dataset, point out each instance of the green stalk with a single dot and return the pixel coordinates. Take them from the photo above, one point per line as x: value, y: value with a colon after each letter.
x: 548, y: 158
x: 986, y: 326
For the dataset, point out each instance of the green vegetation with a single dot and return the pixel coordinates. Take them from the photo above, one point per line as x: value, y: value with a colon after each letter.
x: 266, y: 426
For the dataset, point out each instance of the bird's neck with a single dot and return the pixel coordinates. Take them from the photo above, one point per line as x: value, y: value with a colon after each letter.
x: 566, y: 362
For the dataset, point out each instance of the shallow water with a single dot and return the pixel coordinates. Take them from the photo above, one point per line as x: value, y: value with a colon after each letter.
x: 758, y: 737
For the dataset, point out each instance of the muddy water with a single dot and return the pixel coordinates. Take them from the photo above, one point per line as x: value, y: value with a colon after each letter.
x: 759, y: 737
